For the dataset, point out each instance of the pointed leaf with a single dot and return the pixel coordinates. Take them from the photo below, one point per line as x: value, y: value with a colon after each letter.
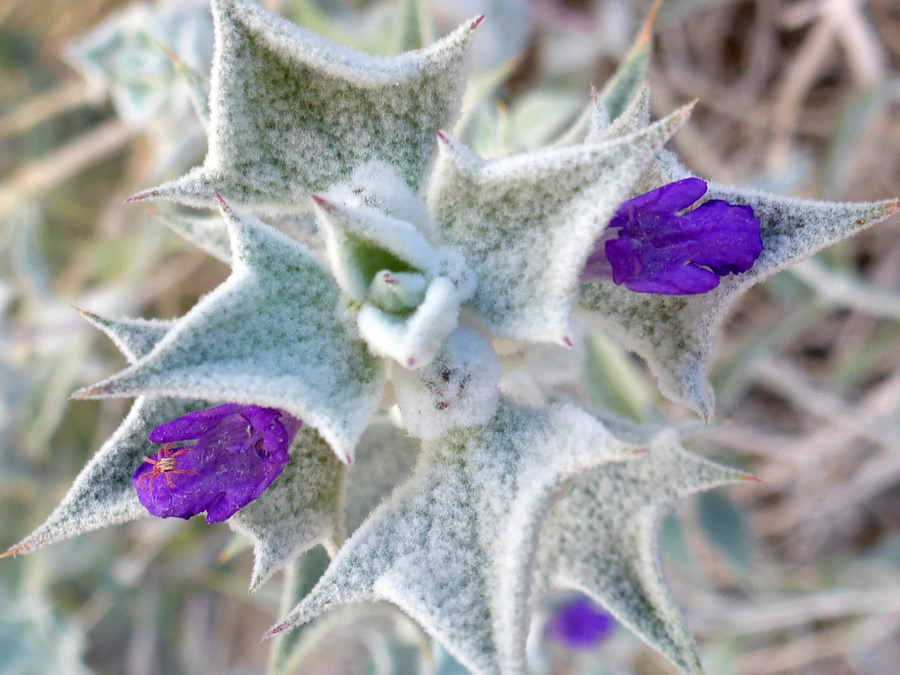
x: 102, y: 494
x: 677, y: 335
x: 526, y: 224
x: 634, y: 117
x: 300, y: 509
x: 627, y: 82
x: 270, y: 335
x: 135, y: 338
x: 207, y: 233
x: 385, y: 457
x: 603, y: 539
x: 292, y: 113
x: 299, y: 578
x: 619, y: 93
x: 454, y: 546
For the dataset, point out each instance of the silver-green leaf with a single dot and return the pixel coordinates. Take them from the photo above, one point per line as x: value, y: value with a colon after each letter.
x: 271, y: 335
x: 526, y: 224
x: 102, y: 494
x: 677, y: 335
x: 292, y: 113
x: 300, y: 509
x: 303, y: 507
x: 454, y: 547
x: 602, y: 538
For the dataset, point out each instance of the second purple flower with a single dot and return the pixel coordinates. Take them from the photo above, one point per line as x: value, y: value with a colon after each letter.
x: 652, y: 247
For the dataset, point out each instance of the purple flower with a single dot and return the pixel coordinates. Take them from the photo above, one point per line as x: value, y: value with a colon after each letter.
x: 239, y: 451
x: 580, y: 624
x: 656, y: 250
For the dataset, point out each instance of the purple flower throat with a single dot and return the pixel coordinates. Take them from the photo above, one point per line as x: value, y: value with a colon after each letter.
x: 239, y: 451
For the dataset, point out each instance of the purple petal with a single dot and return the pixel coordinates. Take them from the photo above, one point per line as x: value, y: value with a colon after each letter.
x: 684, y: 280
x: 233, y: 433
x: 276, y: 441
x: 193, y: 425
x: 669, y: 198
x: 221, y: 483
x: 659, y: 250
x: 580, y: 624
x: 625, y: 259
x: 239, y: 451
x: 734, y: 239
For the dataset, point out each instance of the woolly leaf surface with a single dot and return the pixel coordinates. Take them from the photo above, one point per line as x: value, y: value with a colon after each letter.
x: 292, y: 113
x: 135, y: 338
x: 635, y: 116
x: 210, y: 233
x: 414, y: 340
x: 207, y: 233
x: 454, y: 547
x: 270, y: 335
x: 602, y: 539
x: 677, y: 335
x: 385, y: 457
x: 102, y: 494
x: 459, y: 388
x: 300, y: 509
x: 526, y: 224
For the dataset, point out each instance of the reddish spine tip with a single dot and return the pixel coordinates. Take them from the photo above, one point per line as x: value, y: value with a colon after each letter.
x: 568, y: 342
x: 640, y: 452
x: 272, y: 632
x: 753, y: 479
x: 893, y: 207
x: 477, y: 22
x: 14, y: 551
x: 443, y: 137
x: 410, y: 363
x: 324, y: 204
x: 225, y: 206
x: 141, y: 196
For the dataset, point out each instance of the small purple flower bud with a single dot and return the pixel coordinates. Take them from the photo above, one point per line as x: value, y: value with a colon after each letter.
x: 659, y: 250
x: 580, y: 624
x: 239, y: 451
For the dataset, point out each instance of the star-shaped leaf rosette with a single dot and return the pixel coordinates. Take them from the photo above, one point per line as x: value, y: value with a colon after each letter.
x: 251, y: 406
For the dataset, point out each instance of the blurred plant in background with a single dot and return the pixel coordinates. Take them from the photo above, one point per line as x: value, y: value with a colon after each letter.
x: 796, y: 97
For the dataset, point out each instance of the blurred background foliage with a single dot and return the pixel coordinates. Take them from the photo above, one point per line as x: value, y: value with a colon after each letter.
x: 800, y: 574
